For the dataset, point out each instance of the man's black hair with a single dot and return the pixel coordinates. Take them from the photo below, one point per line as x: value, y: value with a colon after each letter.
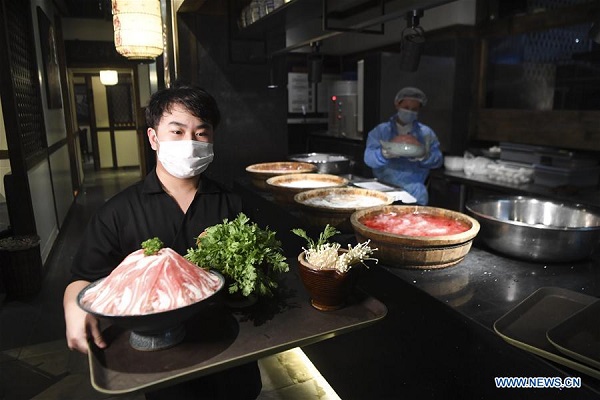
x: 193, y: 98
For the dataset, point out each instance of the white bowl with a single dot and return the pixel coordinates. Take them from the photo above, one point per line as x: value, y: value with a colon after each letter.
x: 403, y: 149
x: 454, y: 163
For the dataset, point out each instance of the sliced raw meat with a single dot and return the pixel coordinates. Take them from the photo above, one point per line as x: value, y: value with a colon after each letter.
x: 148, y: 284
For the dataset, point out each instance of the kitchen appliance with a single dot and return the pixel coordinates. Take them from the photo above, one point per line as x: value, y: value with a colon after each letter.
x: 343, y: 110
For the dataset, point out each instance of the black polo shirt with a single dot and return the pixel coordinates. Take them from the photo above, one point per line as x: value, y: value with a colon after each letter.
x: 143, y: 211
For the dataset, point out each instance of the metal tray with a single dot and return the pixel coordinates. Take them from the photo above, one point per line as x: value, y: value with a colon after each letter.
x: 374, y: 185
x: 579, y: 336
x: 525, y: 326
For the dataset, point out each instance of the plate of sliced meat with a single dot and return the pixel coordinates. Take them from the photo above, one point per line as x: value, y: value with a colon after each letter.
x: 152, y: 295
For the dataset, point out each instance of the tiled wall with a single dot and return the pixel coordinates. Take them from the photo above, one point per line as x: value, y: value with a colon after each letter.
x: 250, y: 113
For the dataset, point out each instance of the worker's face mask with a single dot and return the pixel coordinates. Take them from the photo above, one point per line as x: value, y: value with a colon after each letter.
x: 407, y: 116
x: 185, y: 158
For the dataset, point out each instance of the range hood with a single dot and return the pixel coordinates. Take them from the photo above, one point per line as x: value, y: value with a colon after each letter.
x: 344, y: 26
x: 341, y: 26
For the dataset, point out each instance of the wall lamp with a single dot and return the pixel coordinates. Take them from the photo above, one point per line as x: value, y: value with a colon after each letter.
x: 411, y: 44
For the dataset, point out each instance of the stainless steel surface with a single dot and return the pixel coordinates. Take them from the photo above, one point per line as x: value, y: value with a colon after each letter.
x: 343, y: 110
x: 534, y: 229
x: 327, y: 163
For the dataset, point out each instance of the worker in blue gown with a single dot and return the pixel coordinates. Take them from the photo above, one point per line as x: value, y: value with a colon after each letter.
x: 407, y: 170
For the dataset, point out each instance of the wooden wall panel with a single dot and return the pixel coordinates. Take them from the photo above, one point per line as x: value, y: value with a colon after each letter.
x: 570, y: 129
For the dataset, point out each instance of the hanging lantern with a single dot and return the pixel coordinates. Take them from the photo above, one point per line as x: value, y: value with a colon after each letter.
x: 138, y: 28
x: 109, y: 77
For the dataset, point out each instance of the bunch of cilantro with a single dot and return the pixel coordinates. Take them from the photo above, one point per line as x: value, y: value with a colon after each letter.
x: 248, y: 257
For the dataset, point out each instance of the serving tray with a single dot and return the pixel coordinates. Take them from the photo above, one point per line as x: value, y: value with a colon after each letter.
x: 219, y: 338
x: 579, y: 336
x: 525, y: 326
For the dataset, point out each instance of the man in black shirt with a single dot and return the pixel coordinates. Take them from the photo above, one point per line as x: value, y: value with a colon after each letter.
x: 174, y: 203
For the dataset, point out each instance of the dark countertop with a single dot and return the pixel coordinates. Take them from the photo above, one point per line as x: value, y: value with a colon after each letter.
x: 589, y: 196
x: 437, y: 340
x: 486, y: 285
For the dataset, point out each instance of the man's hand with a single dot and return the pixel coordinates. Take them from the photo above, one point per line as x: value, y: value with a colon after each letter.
x: 80, y: 325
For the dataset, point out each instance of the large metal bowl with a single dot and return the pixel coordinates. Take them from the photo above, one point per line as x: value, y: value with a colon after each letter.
x: 535, y: 229
x: 326, y: 163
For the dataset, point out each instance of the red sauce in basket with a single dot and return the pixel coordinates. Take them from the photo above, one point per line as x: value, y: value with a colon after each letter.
x: 415, y: 224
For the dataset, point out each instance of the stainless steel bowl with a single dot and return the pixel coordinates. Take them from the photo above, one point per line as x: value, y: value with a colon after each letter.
x: 327, y: 163
x: 535, y: 229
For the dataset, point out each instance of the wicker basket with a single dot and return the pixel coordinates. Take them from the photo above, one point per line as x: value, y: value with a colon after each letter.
x: 283, y: 190
x: 21, y: 265
x: 259, y: 173
x: 418, y: 252
x: 336, y: 215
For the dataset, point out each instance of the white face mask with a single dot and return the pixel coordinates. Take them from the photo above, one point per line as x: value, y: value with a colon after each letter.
x: 185, y: 158
x: 407, y: 116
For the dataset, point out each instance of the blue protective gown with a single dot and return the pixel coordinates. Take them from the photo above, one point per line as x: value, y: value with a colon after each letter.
x: 410, y: 174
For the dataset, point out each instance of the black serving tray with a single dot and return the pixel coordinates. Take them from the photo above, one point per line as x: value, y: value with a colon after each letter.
x: 526, y: 325
x: 579, y: 336
x: 220, y: 337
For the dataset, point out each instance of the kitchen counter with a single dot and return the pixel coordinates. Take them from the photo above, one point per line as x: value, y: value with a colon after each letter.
x: 589, y: 196
x: 437, y: 340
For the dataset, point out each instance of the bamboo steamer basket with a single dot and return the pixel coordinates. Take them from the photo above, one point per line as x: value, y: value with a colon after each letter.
x: 338, y: 216
x: 259, y: 173
x: 283, y: 186
x: 416, y: 252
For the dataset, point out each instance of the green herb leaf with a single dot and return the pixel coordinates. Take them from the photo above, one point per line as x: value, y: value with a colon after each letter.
x: 324, y: 236
x: 152, y: 246
x: 247, y: 255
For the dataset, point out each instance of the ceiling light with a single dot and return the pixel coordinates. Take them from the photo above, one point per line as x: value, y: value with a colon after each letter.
x: 109, y: 77
x: 138, y: 28
x: 413, y: 38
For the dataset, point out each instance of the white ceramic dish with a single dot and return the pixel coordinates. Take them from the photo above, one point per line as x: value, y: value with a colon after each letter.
x: 454, y: 163
x: 403, y: 149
